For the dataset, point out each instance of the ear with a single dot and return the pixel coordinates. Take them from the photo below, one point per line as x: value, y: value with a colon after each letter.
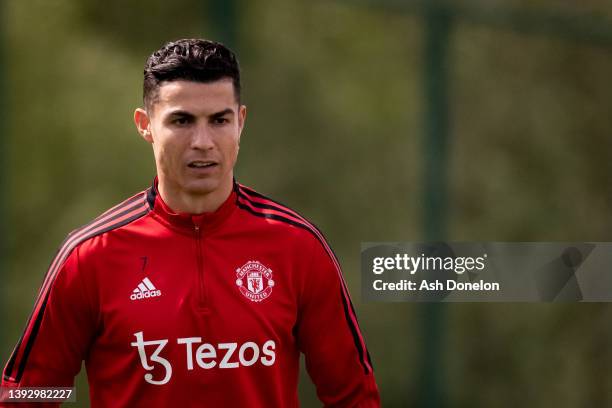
x: 143, y: 124
x: 242, y: 111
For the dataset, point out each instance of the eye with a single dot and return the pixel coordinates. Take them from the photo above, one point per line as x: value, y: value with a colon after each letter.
x: 220, y: 121
x: 180, y: 121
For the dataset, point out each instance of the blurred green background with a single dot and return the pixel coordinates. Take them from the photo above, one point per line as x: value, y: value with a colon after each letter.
x: 382, y: 121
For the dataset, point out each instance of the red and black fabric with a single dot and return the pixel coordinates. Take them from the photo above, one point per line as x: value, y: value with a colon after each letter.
x: 196, y: 310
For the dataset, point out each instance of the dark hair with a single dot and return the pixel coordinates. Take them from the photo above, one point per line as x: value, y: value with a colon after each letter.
x: 192, y: 60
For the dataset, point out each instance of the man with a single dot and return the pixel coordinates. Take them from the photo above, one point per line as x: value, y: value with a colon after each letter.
x: 198, y: 291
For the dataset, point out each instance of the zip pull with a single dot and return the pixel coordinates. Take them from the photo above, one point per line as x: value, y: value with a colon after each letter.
x: 197, y: 222
x: 202, y: 290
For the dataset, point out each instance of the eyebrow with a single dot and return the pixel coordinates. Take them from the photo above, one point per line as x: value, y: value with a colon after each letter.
x: 180, y: 113
x: 222, y: 113
x: 191, y: 115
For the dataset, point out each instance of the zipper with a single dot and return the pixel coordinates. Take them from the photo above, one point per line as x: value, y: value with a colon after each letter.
x: 202, y: 296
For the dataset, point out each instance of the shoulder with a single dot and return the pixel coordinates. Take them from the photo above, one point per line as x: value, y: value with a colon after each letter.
x: 124, y: 213
x: 277, y: 215
x: 66, y: 259
x: 118, y: 216
x: 263, y: 207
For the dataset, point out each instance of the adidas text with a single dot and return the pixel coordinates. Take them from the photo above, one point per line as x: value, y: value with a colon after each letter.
x: 144, y: 290
x: 144, y: 295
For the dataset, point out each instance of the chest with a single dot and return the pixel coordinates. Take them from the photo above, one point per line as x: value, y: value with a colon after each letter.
x: 217, y: 288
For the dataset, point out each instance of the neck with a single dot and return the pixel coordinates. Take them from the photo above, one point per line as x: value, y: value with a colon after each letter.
x: 184, y: 202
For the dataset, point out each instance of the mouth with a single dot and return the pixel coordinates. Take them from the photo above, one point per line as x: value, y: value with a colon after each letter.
x: 201, y: 164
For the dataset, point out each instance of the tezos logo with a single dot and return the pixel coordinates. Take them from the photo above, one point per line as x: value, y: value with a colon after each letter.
x: 206, y: 355
x: 254, y: 281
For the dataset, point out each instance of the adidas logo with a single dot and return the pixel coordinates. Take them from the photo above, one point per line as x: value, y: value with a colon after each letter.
x: 145, y: 289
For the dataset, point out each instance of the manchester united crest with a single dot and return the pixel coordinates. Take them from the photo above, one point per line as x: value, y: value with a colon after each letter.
x: 254, y: 281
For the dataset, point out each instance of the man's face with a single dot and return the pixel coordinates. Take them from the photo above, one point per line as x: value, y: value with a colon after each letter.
x: 195, y: 132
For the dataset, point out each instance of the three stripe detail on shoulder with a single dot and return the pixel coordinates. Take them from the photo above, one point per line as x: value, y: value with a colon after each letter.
x: 120, y: 215
x: 262, y: 206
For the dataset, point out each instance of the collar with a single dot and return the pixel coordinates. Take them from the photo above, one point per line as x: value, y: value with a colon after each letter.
x: 186, y: 222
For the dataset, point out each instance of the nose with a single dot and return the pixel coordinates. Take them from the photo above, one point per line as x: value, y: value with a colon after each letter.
x: 202, y: 139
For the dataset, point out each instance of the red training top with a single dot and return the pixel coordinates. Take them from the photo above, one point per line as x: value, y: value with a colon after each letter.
x: 196, y: 310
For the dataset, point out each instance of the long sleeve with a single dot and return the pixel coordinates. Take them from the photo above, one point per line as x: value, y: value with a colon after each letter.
x: 329, y: 336
x: 58, y: 332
